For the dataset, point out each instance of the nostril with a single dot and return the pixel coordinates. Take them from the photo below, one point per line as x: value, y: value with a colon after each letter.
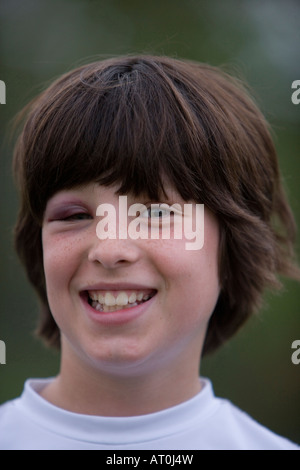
x: 112, y: 253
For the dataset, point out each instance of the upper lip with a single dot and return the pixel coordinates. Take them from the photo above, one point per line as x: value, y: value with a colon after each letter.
x: 118, y: 286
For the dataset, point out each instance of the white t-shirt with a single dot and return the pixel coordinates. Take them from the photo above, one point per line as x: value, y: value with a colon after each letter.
x: 201, y: 423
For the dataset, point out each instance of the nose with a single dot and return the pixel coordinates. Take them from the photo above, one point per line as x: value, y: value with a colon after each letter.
x: 114, y: 253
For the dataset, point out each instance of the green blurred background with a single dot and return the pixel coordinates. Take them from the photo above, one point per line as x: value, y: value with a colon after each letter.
x: 260, y: 41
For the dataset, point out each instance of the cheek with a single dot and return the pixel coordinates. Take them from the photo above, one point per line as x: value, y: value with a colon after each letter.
x: 60, y: 261
x: 197, y: 280
x: 192, y: 277
x: 199, y: 266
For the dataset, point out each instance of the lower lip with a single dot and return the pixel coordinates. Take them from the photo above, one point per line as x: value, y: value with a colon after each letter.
x: 119, y: 317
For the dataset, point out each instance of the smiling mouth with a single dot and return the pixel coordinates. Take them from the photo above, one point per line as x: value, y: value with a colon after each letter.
x: 112, y: 301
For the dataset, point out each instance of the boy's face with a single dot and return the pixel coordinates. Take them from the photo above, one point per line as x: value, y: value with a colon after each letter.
x: 85, y: 274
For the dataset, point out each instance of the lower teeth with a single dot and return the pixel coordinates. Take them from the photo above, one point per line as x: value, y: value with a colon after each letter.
x: 111, y: 308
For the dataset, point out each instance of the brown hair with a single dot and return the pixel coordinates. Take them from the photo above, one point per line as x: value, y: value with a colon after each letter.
x: 132, y: 119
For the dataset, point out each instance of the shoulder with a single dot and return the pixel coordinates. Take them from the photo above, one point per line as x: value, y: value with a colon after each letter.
x: 5, y: 409
x: 17, y: 419
x: 249, y: 434
x: 8, y: 424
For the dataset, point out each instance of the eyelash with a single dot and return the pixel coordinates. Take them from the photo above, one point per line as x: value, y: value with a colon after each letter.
x: 77, y: 216
x: 157, y: 209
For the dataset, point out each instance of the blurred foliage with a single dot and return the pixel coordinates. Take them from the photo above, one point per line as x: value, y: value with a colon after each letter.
x: 259, y: 41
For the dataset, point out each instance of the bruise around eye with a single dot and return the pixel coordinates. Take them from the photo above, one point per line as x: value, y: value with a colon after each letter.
x: 66, y: 215
x: 77, y: 216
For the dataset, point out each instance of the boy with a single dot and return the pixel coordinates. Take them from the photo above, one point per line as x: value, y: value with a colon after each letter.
x: 132, y: 310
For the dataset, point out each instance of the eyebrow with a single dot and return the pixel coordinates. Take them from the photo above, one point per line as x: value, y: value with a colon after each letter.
x: 64, y: 199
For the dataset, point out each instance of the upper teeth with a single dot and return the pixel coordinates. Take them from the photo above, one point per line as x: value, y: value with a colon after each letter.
x: 122, y: 297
